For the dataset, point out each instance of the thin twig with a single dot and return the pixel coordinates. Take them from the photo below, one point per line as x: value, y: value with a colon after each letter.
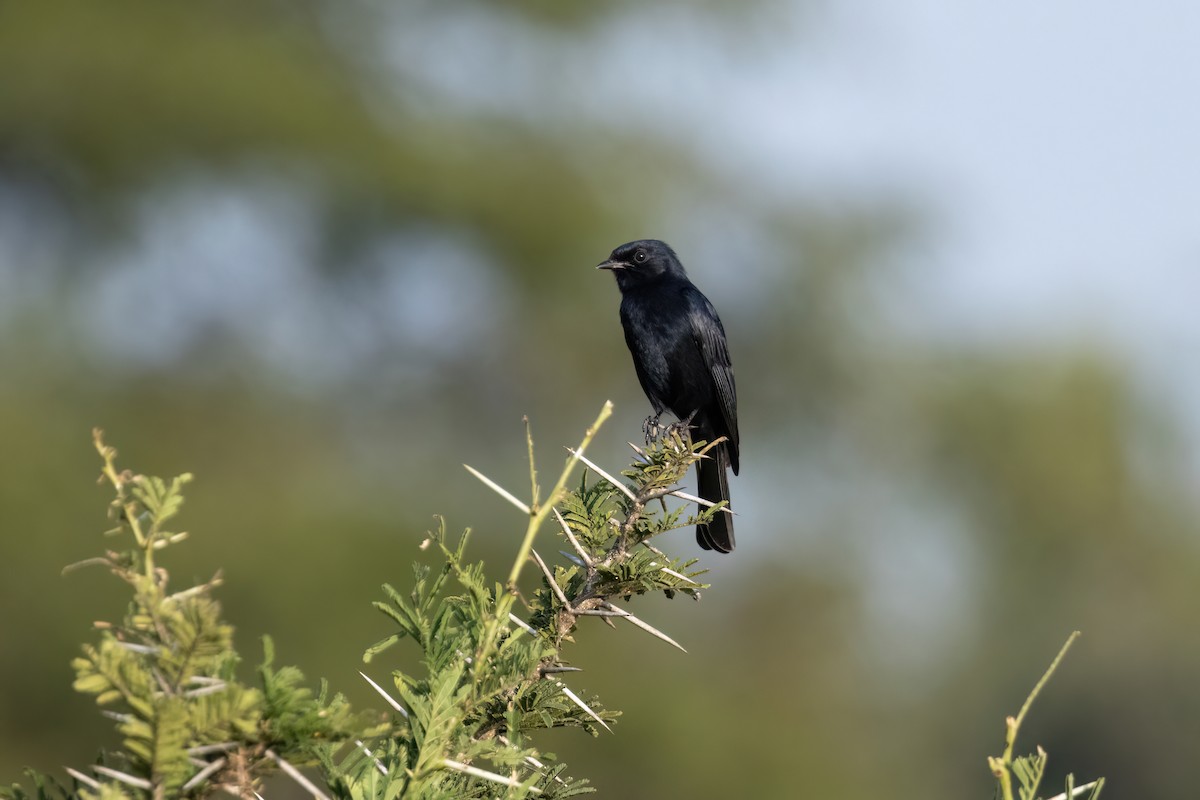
x: 98, y: 561
x: 533, y: 484
x: 166, y: 687
x: 1002, y: 766
x: 1014, y: 725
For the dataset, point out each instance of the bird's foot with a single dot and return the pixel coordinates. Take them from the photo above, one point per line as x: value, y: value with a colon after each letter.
x: 682, y: 429
x: 655, y: 430
x: 652, y: 428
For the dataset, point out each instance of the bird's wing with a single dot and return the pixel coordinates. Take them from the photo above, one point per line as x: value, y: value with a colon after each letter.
x: 709, y: 335
x: 634, y: 324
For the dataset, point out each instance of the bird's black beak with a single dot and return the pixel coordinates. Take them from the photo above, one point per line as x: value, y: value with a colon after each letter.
x: 611, y: 264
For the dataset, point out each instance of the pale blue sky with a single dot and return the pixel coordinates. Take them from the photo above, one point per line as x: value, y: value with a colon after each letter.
x: 1054, y: 144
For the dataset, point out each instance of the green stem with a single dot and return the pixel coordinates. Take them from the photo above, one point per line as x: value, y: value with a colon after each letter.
x: 539, y: 511
x: 1015, y: 724
x: 537, y: 515
x: 533, y: 484
x: 1002, y: 767
x: 128, y: 507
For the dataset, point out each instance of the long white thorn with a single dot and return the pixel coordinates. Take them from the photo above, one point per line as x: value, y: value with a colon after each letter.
x: 575, y: 699
x: 522, y: 623
x: 476, y: 772
x: 209, y: 749
x: 574, y: 559
x: 205, y: 680
x: 386, y: 696
x: 583, y: 554
x: 675, y: 574
x: 650, y: 629
x: 297, y: 776
x: 203, y: 774
x: 1078, y: 790
x: 378, y: 764
x: 558, y: 592
x: 530, y: 760
x: 625, y: 489
x: 191, y: 591
x: 700, y: 501
x: 84, y: 779
x: 123, y: 777
x: 498, y: 489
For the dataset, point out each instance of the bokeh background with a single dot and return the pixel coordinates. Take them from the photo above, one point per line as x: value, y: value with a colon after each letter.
x: 321, y: 253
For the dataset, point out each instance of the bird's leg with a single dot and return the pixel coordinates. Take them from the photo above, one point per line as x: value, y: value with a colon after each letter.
x: 651, y: 427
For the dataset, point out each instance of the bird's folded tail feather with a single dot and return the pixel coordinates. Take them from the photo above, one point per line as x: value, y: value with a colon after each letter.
x: 712, y: 475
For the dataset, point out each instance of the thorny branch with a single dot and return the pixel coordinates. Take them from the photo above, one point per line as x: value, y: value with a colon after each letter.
x: 591, y: 598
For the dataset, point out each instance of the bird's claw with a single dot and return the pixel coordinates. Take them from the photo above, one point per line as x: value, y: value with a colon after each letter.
x: 652, y: 429
x: 682, y: 429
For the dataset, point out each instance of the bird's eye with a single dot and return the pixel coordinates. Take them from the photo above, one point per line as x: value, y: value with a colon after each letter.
x: 639, y: 256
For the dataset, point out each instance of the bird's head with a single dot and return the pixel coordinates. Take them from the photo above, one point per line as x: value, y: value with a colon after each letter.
x: 642, y: 262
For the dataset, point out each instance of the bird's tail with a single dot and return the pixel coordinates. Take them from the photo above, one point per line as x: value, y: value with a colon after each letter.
x: 712, y: 475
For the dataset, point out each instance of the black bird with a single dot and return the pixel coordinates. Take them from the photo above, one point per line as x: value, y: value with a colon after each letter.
x: 682, y: 361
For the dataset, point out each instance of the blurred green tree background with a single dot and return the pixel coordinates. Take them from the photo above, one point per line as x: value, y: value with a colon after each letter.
x: 321, y: 253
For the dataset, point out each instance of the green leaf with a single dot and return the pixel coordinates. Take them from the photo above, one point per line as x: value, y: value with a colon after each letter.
x: 1029, y: 771
x: 380, y: 646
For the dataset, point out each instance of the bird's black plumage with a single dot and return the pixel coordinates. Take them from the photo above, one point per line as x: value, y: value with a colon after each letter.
x: 682, y: 361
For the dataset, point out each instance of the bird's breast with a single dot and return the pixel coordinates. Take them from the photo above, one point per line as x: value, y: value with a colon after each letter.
x: 669, y: 364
